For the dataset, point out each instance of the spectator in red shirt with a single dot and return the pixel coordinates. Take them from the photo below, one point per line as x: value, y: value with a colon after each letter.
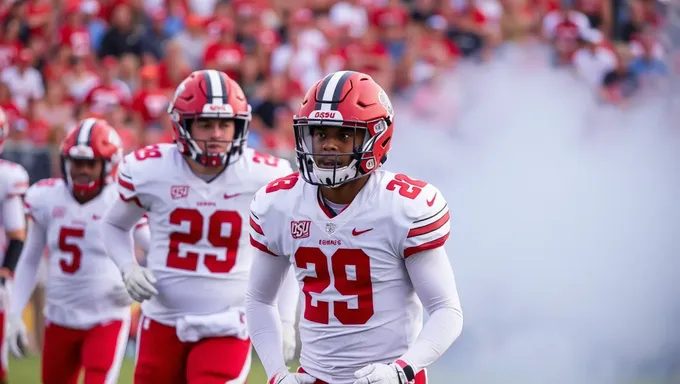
x: 74, y: 34
x: 150, y: 102
x: 7, y: 102
x: 57, y: 108
x: 110, y: 91
x: 174, y: 67
x: 35, y: 129
x: 10, y: 45
x: 60, y: 64
x: 40, y: 15
x: 225, y: 54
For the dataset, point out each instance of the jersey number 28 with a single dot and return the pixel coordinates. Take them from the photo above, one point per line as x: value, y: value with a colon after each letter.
x: 195, y: 219
x: 343, y: 263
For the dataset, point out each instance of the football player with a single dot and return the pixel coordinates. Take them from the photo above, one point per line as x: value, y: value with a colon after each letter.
x: 87, y: 305
x: 13, y: 185
x: 366, y: 245
x: 196, y: 194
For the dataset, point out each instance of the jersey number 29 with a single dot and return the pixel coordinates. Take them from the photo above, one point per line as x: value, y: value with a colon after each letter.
x: 195, y: 219
x: 343, y: 262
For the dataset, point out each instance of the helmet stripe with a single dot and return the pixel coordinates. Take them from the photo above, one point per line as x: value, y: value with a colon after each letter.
x: 337, y: 93
x: 223, y: 87
x: 330, y: 90
x: 320, y: 92
x: 214, y: 87
x: 85, y: 132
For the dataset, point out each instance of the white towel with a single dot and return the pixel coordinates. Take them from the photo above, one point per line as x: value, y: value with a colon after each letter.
x: 231, y: 322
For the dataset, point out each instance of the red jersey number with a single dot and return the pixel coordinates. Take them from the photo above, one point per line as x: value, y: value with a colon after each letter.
x: 148, y: 152
x: 213, y: 262
x: 70, y: 265
x: 359, y: 286
x: 406, y: 186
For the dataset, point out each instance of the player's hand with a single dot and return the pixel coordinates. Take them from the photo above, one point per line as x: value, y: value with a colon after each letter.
x: 139, y: 283
x: 289, y: 341
x: 16, y: 336
x: 380, y: 374
x: 292, y: 378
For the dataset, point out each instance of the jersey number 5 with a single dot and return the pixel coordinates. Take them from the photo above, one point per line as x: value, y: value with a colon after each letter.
x: 195, y: 219
x: 358, y: 285
x: 65, y: 246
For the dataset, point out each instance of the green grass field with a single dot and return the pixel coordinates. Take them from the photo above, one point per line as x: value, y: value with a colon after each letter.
x: 27, y: 371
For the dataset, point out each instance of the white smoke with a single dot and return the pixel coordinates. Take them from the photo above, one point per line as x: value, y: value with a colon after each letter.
x: 565, y: 225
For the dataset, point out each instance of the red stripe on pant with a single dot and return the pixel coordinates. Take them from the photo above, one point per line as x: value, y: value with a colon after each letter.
x: 421, y: 377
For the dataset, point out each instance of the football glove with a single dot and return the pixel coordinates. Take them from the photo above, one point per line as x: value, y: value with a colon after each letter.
x: 289, y: 341
x: 292, y: 378
x: 381, y: 374
x: 16, y: 336
x: 139, y: 283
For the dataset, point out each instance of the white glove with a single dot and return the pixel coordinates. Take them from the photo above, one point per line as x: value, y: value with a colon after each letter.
x: 139, y: 283
x: 380, y: 374
x: 292, y: 378
x: 289, y: 342
x: 15, y: 336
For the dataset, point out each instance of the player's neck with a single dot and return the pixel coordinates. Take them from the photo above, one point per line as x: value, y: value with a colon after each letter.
x: 345, y: 193
x: 204, y: 170
x: 85, y: 198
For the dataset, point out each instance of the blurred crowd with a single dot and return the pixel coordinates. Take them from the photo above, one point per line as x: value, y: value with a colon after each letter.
x: 64, y: 60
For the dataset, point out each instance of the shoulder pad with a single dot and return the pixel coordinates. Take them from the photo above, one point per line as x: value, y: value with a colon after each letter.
x: 266, y: 209
x: 424, y: 213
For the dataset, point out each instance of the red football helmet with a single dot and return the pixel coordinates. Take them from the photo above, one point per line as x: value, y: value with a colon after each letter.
x: 4, y: 128
x: 351, y: 100
x: 91, y: 139
x: 213, y: 95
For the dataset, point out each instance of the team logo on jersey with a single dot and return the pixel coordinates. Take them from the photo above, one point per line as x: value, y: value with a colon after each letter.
x: 179, y: 191
x: 330, y: 228
x: 300, y: 229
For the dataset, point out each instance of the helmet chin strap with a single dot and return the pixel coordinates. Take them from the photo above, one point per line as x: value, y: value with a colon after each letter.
x: 82, y: 190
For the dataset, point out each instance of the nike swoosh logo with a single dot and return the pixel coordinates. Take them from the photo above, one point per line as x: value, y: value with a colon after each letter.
x: 226, y: 196
x: 357, y: 233
x: 430, y: 202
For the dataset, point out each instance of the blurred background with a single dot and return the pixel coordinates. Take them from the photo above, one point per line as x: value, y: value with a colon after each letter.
x: 551, y: 126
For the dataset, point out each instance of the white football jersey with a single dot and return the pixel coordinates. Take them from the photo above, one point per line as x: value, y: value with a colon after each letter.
x: 200, y: 251
x: 360, y: 306
x: 13, y: 182
x: 84, y: 286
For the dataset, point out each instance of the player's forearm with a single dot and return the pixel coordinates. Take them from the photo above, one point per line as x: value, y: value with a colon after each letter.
x: 142, y: 236
x: 441, y: 329
x: 14, y: 222
x: 13, y: 218
x: 264, y: 327
x: 26, y: 276
x: 433, y: 280
x: 117, y: 229
x: 262, y: 317
x: 288, y: 298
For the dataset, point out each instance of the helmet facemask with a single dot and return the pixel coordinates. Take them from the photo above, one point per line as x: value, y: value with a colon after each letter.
x: 326, y: 169
x: 197, y: 149
x: 81, y: 188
